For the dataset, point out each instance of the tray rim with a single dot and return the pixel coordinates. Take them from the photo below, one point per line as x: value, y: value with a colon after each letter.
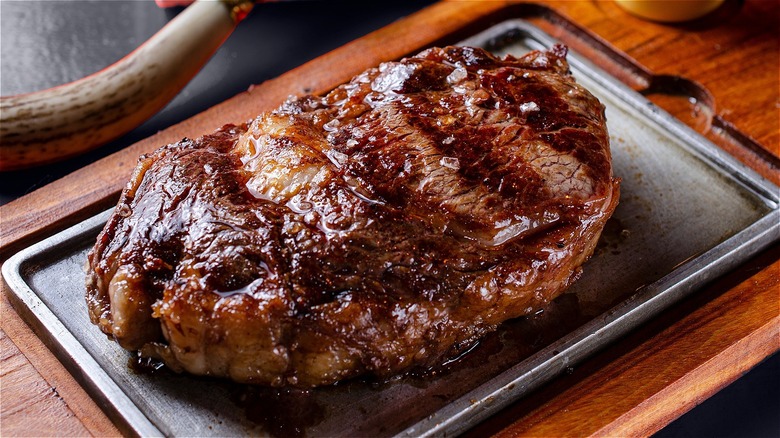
x: 693, y: 141
x: 468, y: 410
x: 79, y: 362
x: 756, y: 236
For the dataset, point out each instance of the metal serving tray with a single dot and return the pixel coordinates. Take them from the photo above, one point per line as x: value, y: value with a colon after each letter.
x: 688, y: 213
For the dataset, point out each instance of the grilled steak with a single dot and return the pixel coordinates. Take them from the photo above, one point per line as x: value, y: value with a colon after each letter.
x: 381, y: 227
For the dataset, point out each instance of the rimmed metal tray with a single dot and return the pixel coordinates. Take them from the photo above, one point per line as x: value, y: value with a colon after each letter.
x: 688, y: 213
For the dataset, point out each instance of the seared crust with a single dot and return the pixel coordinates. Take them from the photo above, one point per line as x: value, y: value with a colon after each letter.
x: 384, y: 226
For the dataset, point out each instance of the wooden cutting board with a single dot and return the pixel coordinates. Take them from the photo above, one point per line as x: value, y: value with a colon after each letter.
x: 718, y: 74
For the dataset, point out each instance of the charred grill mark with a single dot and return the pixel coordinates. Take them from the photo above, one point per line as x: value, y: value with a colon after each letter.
x: 370, y: 230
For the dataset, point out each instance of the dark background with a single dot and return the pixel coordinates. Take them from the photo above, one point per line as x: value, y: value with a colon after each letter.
x: 47, y: 43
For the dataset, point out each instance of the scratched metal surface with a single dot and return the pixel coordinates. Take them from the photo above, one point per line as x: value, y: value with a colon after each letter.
x: 688, y: 213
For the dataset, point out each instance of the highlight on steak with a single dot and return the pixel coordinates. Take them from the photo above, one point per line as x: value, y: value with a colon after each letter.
x: 374, y: 230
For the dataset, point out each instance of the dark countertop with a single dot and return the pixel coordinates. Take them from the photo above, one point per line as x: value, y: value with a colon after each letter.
x: 46, y: 43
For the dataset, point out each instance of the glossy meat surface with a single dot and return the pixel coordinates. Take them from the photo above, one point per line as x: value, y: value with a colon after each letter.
x: 384, y: 226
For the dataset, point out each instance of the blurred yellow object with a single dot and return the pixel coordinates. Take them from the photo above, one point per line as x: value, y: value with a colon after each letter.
x: 669, y: 10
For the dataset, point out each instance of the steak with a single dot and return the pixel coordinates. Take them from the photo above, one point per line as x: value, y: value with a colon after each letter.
x: 385, y: 226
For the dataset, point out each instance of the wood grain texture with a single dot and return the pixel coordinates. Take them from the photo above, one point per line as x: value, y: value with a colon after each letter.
x: 39, y: 396
x: 663, y: 369
x: 32, y: 398
x: 727, y: 62
x: 94, y: 187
